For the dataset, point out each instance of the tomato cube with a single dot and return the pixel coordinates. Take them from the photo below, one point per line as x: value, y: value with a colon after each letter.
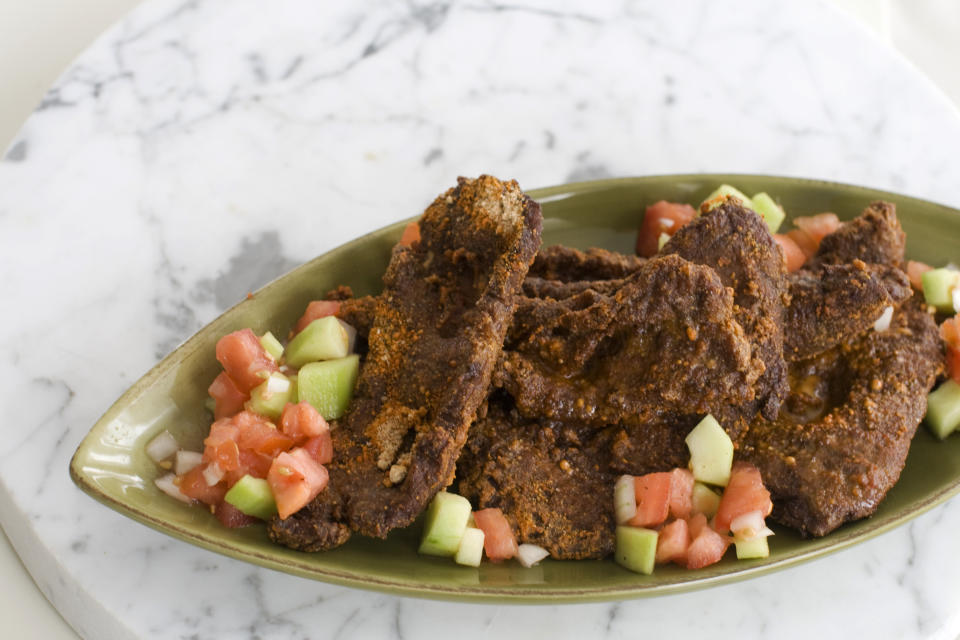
x: 227, y: 396
x: 793, y: 255
x: 661, y: 217
x: 194, y: 485
x: 244, y: 359
x: 499, y: 543
x: 316, y: 310
x: 673, y: 542
x: 230, y: 516
x: 653, y: 499
x: 295, y: 479
x: 302, y: 421
x: 706, y: 549
x: 681, y: 493
x: 744, y: 493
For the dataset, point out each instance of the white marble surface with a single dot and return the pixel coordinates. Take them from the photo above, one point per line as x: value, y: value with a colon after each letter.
x: 200, y: 148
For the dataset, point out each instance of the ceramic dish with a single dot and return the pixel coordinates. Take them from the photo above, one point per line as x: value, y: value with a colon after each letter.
x: 111, y: 465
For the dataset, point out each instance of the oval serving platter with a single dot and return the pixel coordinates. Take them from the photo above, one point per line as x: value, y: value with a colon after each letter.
x: 111, y: 466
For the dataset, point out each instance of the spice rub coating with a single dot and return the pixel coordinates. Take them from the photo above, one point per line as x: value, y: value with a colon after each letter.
x: 667, y: 341
x: 567, y: 264
x: 437, y: 331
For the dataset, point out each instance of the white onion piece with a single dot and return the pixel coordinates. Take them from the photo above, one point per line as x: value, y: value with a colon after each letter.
x: 185, y: 461
x: 351, y: 335
x: 213, y: 474
x: 167, y: 485
x: 749, y: 525
x: 162, y: 447
x: 883, y: 322
x: 956, y: 298
x: 624, y: 499
x: 277, y: 384
x: 666, y: 223
x: 530, y: 554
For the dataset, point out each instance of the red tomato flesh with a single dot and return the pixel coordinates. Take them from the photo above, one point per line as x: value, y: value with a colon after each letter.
x: 744, y: 493
x: 410, y: 235
x: 320, y: 447
x: 194, y: 485
x: 706, y: 549
x: 695, y: 524
x: 256, y: 433
x: 653, y: 499
x: 681, y: 493
x: 295, y: 479
x: 228, y: 398
x: 793, y: 255
x: 915, y: 271
x: 316, y: 310
x: 661, y: 217
x: 803, y: 240
x: 499, y: 543
x: 819, y: 226
x: 302, y: 421
x: 244, y: 359
x: 231, y: 517
x: 672, y: 543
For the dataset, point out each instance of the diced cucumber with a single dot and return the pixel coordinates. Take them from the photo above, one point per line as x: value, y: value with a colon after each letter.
x: 721, y: 193
x: 705, y: 500
x: 943, y: 409
x: 938, y: 285
x: 756, y: 547
x: 470, y: 551
x: 323, y: 339
x: 271, y: 345
x: 294, y: 389
x: 770, y: 211
x: 252, y: 496
x: 636, y: 548
x: 711, y: 452
x: 328, y: 385
x: 270, y: 396
x: 446, y: 523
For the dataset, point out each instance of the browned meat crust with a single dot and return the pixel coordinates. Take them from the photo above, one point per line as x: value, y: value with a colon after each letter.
x: 874, y: 237
x: 737, y: 244
x: 534, y: 287
x: 439, y: 327
x: 836, y: 303
x: 832, y: 455
x: 567, y: 264
x: 551, y: 481
x: 665, y: 342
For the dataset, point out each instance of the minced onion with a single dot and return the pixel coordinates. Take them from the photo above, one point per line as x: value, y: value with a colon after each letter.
x: 749, y: 525
x: 351, y: 335
x: 883, y: 322
x: 186, y: 460
x: 162, y: 446
x: 530, y: 554
x: 624, y: 499
x: 277, y: 384
x: 169, y: 487
x: 213, y: 474
x: 956, y: 298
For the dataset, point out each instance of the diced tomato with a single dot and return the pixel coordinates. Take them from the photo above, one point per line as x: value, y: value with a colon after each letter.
x: 316, y: 310
x: 230, y: 516
x: 295, y: 479
x: 803, y: 240
x: 228, y: 398
x: 194, y: 485
x: 320, y: 447
x: 950, y: 332
x: 953, y: 363
x: 661, y: 217
x: 793, y: 255
x: 653, y: 498
x: 221, y: 445
x: 244, y: 359
x: 672, y: 542
x: 258, y: 434
x: 915, y: 271
x: 302, y: 421
x: 681, y: 493
x: 819, y: 226
x: 499, y: 543
x: 706, y: 549
x: 410, y: 235
x: 744, y: 493
x: 695, y: 523
x: 251, y: 463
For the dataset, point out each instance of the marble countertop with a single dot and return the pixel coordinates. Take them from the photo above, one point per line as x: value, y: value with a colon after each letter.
x: 199, y: 149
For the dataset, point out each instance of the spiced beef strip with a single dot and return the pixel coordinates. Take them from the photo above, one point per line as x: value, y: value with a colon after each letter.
x: 567, y: 264
x: 667, y: 341
x: 841, y: 441
x: 736, y: 243
x: 438, y: 329
x: 875, y: 237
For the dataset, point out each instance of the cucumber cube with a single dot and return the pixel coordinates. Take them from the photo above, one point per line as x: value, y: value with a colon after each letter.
x: 446, y: 524
x: 722, y: 192
x: 271, y: 345
x: 328, y: 385
x: 943, y: 409
x: 636, y: 548
x: 470, y: 551
x: 752, y: 548
x: 253, y: 497
x: 323, y: 339
x: 270, y: 396
x: 705, y: 500
x: 938, y: 285
x: 711, y: 452
x: 770, y: 211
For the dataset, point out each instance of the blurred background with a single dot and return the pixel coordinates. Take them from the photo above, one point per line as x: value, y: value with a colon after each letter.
x: 39, y: 39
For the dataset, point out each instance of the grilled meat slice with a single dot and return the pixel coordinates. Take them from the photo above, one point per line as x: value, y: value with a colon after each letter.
x: 737, y: 244
x: 843, y: 435
x: 567, y: 264
x: 438, y: 329
x: 874, y: 237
